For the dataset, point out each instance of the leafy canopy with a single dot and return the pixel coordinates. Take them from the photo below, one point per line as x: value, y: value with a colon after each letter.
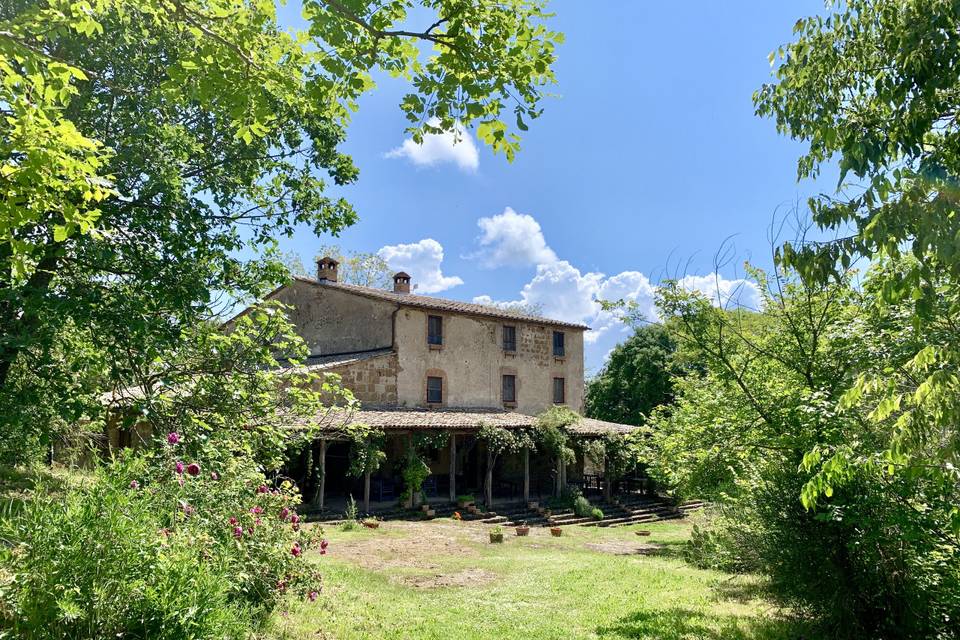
x: 146, y: 145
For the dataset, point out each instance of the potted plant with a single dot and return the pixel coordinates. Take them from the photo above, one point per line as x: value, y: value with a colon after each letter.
x: 429, y: 513
x: 472, y: 508
x: 533, y: 505
x: 496, y: 535
x: 523, y: 529
x: 465, y: 501
x: 556, y: 532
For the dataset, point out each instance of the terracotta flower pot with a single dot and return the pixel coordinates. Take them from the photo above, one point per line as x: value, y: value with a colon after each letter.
x: 371, y: 524
x: 471, y: 509
x: 523, y: 531
x: 463, y: 504
x: 496, y: 538
x: 430, y: 513
x: 642, y: 533
x: 556, y: 532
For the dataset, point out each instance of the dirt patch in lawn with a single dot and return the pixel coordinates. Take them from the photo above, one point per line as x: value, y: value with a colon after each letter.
x: 619, y: 548
x: 465, y: 578
x: 419, y: 548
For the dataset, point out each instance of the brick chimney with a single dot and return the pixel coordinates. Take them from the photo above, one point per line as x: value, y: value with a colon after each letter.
x: 327, y: 269
x: 401, y: 282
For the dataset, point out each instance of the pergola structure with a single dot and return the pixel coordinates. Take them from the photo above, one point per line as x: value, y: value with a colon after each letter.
x: 458, y: 424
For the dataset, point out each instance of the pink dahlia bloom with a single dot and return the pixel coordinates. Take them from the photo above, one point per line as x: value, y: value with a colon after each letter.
x: 238, y: 532
x: 262, y: 489
x: 193, y: 469
x: 233, y: 520
x: 179, y: 467
x: 296, y: 550
x: 134, y: 484
x: 312, y: 595
x: 284, y: 513
x: 173, y: 437
x: 214, y: 475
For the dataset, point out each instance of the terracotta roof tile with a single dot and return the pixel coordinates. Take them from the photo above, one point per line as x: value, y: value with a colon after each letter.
x: 396, y: 419
x: 441, y: 304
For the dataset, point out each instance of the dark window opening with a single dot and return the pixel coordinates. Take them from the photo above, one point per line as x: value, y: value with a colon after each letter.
x: 434, y: 390
x: 558, y: 343
x: 509, y: 388
x: 559, y: 390
x: 509, y: 338
x: 434, y: 330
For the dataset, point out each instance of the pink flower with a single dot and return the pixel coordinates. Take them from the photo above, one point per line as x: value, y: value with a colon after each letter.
x: 193, y: 469
x: 262, y: 489
x: 296, y: 550
x: 324, y: 544
x: 284, y: 513
x: 238, y: 532
x: 134, y: 484
x: 295, y: 519
x: 179, y: 467
x: 250, y: 530
x: 233, y: 520
x: 256, y: 521
x: 312, y: 596
x: 214, y: 475
x: 173, y: 437
x: 257, y: 509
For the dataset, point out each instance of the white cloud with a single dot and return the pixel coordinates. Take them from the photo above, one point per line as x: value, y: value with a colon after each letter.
x: 563, y: 292
x: 455, y: 146
x: 512, y: 239
x: 723, y: 292
x: 422, y: 261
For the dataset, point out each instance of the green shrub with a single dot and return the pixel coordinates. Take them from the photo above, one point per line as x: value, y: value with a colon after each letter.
x: 351, y: 516
x: 596, y: 513
x: 582, y: 507
x: 155, y: 548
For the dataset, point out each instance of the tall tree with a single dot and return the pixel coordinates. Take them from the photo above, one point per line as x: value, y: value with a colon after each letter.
x: 636, y: 378
x: 875, y: 84
x: 144, y: 143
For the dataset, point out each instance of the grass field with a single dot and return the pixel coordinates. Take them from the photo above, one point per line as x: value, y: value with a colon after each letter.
x: 443, y: 579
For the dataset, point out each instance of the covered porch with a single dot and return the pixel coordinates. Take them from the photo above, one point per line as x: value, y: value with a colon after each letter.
x: 457, y: 461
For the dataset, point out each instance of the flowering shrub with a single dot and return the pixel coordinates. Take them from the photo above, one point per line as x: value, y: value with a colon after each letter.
x: 156, y: 548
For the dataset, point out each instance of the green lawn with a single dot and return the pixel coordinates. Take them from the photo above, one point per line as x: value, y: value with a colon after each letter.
x: 442, y: 579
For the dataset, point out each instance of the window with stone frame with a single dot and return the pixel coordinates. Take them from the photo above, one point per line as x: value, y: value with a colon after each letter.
x: 509, y: 388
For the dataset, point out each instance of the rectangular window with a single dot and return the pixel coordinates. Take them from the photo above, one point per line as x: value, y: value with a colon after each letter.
x: 434, y: 330
x: 558, y: 344
x: 559, y: 391
x: 509, y: 388
x: 434, y: 390
x: 509, y: 338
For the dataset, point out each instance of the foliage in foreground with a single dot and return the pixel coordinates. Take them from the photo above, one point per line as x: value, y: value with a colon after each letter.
x: 148, y: 148
x: 870, y: 550
x: 157, y: 546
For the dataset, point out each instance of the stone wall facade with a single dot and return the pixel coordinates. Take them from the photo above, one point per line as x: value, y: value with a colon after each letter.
x: 473, y: 360
x: 373, y: 381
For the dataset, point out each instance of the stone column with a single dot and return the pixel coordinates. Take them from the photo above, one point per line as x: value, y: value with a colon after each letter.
x: 526, y: 474
x: 453, y: 467
x: 321, y: 475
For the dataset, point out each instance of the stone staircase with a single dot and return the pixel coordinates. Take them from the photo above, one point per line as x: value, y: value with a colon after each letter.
x: 623, y: 510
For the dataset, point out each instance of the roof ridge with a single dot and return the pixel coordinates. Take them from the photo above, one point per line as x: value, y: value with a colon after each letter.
x: 418, y: 300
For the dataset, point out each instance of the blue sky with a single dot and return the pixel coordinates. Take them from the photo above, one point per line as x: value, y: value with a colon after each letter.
x: 649, y: 159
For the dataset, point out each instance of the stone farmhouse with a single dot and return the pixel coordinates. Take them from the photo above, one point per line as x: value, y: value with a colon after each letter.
x: 425, y: 364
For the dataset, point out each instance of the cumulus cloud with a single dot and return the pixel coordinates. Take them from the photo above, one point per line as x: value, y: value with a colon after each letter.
x: 512, y: 239
x: 563, y: 292
x: 455, y: 147
x: 422, y: 261
x: 723, y: 292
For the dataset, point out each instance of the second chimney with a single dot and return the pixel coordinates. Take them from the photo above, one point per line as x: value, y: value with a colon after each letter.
x: 327, y: 269
x: 401, y: 282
